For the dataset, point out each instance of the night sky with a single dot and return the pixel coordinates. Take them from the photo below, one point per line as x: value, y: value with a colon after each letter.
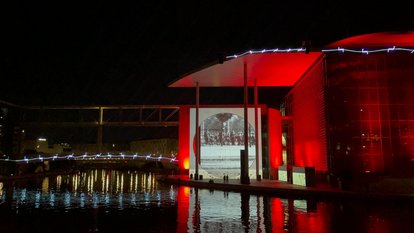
x: 61, y: 52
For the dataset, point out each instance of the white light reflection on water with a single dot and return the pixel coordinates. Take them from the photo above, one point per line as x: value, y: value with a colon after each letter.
x: 52, y: 199
x: 91, y: 189
x: 107, y: 183
x: 133, y: 200
x: 95, y: 197
x: 2, y: 196
x: 122, y: 183
x: 158, y: 198
x: 45, y: 185
x: 107, y: 200
x: 58, y: 181
x: 37, y: 199
x: 23, y: 195
x: 82, y: 200
x: 90, y: 181
x: 146, y: 198
x: 130, y: 183
x: 136, y: 183
x: 67, y: 199
x: 120, y: 201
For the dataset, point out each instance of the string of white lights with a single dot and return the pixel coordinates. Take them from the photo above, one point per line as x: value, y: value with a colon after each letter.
x: 367, y: 51
x: 339, y: 49
x: 42, y: 158
x: 266, y: 51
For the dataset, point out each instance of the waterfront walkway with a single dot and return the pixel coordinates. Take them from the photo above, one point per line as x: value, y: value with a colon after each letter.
x: 284, y: 189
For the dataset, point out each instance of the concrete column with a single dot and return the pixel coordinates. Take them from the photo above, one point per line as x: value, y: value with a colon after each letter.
x: 256, y: 132
x: 244, y: 173
x: 197, y: 155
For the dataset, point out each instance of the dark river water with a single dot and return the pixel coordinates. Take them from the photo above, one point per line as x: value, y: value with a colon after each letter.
x: 130, y: 201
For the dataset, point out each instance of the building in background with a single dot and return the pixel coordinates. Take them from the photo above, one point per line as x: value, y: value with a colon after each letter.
x: 349, y: 114
x: 11, y: 134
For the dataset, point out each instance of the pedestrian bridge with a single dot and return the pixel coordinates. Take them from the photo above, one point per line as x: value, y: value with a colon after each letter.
x: 41, y: 163
x: 92, y: 157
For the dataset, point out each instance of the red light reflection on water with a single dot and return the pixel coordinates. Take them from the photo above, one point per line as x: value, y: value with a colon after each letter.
x: 207, y: 211
x: 183, y: 197
x: 278, y: 216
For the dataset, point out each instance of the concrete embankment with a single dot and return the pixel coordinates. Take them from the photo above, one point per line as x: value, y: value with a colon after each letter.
x: 283, y: 189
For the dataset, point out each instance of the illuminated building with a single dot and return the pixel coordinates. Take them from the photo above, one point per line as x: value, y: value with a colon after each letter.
x: 350, y: 110
x: 11, y: 134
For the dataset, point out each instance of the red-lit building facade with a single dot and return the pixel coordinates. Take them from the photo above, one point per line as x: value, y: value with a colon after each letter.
x: 350, y: 110
x: 370, y: 106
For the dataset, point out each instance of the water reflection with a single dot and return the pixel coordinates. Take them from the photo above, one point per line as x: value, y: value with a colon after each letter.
x: 90, y: 189
x: 207, y: 211
x: 129, y: 201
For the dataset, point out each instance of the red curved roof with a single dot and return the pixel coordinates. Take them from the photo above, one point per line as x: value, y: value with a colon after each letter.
x: 376, y: 40
x: 284, y: 69
x: 269, y: 69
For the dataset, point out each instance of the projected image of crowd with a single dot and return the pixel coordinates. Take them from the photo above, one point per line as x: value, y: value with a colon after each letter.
x: 225, y: 129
